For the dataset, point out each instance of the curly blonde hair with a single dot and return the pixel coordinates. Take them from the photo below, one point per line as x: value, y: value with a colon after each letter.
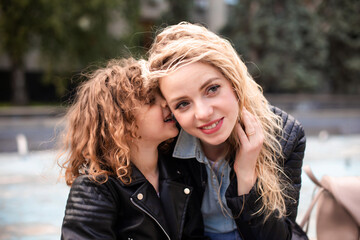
x: 186, y: 43
x: 101, y: 122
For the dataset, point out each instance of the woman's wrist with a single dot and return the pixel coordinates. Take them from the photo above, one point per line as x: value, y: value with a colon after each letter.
x: 245, y: 181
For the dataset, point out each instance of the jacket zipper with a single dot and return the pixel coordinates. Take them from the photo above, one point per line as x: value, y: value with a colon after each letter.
x: 151, y: 217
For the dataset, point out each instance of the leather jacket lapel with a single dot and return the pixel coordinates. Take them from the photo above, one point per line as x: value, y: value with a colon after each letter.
x: 168, y: 210
x: 145, y: 198
x: 174, y: 197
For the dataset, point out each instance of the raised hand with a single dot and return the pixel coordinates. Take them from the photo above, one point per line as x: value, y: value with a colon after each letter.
x: 251, y: 142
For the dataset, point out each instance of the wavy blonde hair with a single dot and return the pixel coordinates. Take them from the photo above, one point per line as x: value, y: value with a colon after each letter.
x: 101, y: 122
x: 186, y: 43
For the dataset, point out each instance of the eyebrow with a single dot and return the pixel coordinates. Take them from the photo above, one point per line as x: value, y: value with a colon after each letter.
x: 174, y: 101
x: 207, y: 82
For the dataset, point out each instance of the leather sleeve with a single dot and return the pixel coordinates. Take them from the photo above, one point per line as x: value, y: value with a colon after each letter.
x: 90, y: 211
x: 253, y: 226
x: 293, y: 144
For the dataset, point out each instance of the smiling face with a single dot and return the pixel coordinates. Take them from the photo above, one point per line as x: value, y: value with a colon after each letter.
x: 154, y: 121
x: 203, y: 102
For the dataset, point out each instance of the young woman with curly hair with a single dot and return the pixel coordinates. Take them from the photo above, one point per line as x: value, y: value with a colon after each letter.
x: 245, y: 155
x: 121, y: 188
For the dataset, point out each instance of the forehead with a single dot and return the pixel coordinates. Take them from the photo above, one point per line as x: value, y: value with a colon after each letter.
x: 196, y: 71
x: 189, y: 81
x: 192, y: 74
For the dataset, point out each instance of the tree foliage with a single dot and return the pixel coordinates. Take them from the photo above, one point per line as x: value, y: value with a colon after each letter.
x: 69, y: 34
x: 17, y: 37
x: 178, y: 11
x: 289, y: 46
x: 281, y: 42
x: 341, y: 25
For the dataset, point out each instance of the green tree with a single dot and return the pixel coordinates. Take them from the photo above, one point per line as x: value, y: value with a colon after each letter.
x: 16, y: 32
x: 281, y: 43
x: 69, y: 35
x: 177, y: 11
x: 341, y: 21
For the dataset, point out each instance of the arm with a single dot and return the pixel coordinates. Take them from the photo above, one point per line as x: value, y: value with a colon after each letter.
x: 244, y: 206
x: 293, y: 145
x: 251, y: 225
x: 90, y: 211
x: 251, y: 140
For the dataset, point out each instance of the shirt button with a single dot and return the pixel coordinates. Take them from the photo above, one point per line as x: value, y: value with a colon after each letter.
x: 140, y: 196
x: 186, y: 191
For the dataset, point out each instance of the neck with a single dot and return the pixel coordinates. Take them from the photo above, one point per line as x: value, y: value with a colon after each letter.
x: 214, y: 152
x: 145, y: 158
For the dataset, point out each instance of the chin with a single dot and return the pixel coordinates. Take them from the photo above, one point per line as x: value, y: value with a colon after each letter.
x: 169, y: 136
x: 214, y: 142
x: 175, y: 132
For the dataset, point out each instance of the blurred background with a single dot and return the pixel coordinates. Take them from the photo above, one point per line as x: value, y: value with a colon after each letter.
x: 305, y: 54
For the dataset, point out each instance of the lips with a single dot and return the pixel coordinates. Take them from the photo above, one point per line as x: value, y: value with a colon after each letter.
x: 212, y: 126
x: 169, y: 118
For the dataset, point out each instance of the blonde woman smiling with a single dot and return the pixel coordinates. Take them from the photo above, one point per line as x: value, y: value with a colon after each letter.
x: 244, y: 154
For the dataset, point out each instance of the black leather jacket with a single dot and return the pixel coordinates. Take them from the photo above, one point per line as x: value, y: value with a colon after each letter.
x: 107, y: 212
x: 249, y: 225
x: 114, y: 210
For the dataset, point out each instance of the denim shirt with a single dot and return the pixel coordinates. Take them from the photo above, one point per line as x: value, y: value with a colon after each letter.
x: 216, y: 220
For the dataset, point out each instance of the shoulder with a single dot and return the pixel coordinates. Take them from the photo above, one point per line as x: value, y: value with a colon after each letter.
x: 290, y: 124
x: 293, y: 132
x: 87, y: 199
x: 90, y: 212
x: 84, y: 187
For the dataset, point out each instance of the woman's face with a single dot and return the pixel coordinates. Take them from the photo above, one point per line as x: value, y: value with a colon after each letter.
x: 154, y: 121
x: 203, y: 102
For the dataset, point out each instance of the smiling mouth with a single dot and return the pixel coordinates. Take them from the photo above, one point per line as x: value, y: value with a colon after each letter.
x: 213, y: 125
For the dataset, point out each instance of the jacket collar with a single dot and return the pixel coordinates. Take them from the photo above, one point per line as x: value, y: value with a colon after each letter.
x: 168, y: 210
x: 167, y: 171
x: 188, y: 146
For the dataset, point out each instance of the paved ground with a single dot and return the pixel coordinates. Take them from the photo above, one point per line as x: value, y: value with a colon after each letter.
x: 38, y: 124
x: 32, y: 200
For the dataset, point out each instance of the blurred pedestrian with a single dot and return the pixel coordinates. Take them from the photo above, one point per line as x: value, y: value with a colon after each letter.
x: 245, y: 155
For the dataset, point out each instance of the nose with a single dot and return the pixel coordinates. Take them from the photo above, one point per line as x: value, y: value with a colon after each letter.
x: 203, y: 111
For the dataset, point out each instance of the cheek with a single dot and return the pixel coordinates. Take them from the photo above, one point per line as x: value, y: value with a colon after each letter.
x: 231, y: 104
x: 184, y: 120
x: 235, y: 107
x: 232, y: 97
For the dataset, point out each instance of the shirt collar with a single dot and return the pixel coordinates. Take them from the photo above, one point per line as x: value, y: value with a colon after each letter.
x: 188, y: 146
